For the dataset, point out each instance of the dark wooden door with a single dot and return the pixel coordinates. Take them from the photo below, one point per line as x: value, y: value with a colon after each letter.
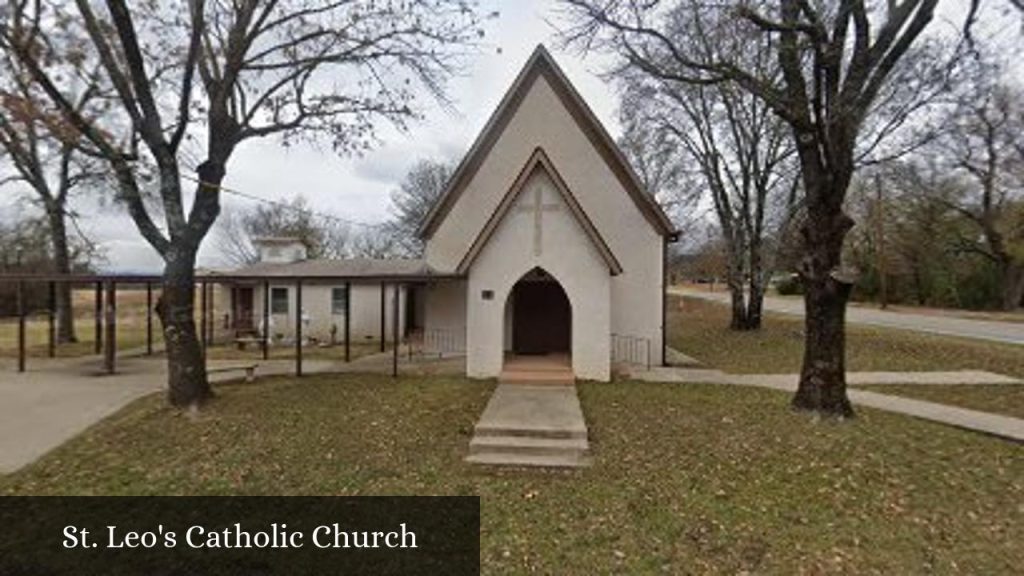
x: 243, y: 309
x: 541, y: 318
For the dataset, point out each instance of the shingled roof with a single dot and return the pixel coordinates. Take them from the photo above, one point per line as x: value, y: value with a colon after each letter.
x: 352, y: 268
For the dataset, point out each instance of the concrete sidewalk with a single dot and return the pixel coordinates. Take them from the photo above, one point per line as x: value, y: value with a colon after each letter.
x: 41, y: 410
x: 1006, y: 332
x: 57, y: 399
x: 994, y: 424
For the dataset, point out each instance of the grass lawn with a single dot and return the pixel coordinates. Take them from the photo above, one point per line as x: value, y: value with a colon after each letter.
x: 999, y: 398
x: 687, y: 478
x: 701, y: 329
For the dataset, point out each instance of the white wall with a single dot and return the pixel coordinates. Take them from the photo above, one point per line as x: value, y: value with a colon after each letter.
x: 445, y: 317
x: 568, y: 256
x: 316, y: 301
x: 635, y: 295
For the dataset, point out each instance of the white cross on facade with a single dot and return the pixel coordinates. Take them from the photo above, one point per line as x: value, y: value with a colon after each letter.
x: 538, y: 207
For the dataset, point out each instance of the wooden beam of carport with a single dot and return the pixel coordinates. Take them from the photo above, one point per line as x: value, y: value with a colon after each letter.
x: 51, y: 321
x: 21, y: 326
x: 298, y: 327
x: 110, y: 347
x: 394, y: 330
x: 383, y: 322
x: 348, y: 321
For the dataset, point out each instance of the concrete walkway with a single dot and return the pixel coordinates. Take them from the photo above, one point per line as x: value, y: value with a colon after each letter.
x: 40, y: 410
x: 995, y: 424
x: 57, y: 399
x: 1006, y: 332
x: 531, y: 425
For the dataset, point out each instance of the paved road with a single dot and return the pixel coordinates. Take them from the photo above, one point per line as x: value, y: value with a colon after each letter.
x: 1008, y: 332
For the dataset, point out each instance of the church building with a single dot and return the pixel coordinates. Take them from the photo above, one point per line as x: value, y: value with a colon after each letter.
x: 543, y: 243
x: 561, y: 250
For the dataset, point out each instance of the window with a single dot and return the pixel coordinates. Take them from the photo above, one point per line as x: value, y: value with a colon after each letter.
x: 339, y: 300
x: 278, y: 300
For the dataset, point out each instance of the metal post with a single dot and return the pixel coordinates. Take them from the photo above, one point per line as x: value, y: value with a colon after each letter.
x: 51, y: 319
x: 211, y: 318
x: 21, y: 326
x: 298, y: 327
x: 98, y: 344
x: 266, y: 320
x: 111, y: 321
x: 383, y: 323
x: 394, y: 329
x: 149, y: 318
x: 348, y: 320
x: 664, y: 302
x: 202, y: 313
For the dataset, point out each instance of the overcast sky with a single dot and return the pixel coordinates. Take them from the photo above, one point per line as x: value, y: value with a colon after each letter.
x: 358, y: 188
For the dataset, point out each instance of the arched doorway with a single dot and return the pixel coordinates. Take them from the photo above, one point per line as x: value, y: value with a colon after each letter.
x: 540, y: 314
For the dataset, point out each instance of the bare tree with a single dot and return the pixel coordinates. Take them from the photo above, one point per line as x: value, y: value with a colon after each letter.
x: 982, y: 146
x: 836, y: 61
x: 44, y: 154
x: 743, y: 155
x: 323, y: 236
x: 376, y: 243
x: 411, y: 201
x: 217, y: 74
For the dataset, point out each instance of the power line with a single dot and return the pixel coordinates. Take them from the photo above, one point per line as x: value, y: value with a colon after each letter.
x: 284, y: 205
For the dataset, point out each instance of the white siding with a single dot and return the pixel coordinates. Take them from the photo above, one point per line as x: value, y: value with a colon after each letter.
x: 634, y: 297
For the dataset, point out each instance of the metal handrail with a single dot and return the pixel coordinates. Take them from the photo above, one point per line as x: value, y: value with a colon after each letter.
x: 628, y: 349
x: 444, y: 341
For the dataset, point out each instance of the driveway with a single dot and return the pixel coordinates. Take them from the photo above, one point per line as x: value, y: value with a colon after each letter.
x: 1007, y: 332
x: 57, y: 399
x: 41, y: 409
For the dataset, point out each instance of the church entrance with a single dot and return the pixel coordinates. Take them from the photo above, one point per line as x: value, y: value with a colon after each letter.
x: 541, y: 315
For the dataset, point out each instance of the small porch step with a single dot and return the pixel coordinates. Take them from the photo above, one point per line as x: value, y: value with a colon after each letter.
x: 493, y: 459
x: 550, y: 369
x: 528, y: 445
x: 550, y: 432
x: 538, y: 377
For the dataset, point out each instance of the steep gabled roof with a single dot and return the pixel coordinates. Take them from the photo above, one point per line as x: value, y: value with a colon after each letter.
x: 542, y: 64
x: 539, y: 160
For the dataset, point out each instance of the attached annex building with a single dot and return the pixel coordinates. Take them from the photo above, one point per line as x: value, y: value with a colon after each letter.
x: 544, y: 242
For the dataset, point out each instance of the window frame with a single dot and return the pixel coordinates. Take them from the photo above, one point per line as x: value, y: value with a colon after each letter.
x: 274, y: 301
x: 334, y: 300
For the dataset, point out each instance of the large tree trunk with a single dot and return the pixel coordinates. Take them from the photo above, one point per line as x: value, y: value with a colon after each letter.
x: 1012, y: 284
x: 822, y: 386
x: 734, y: 279
x: 62, y: 265
x: 739, y: 308
x: 755, y: 297
x: 755, y: 303
x: 186, y: 363
x: 823, y: 375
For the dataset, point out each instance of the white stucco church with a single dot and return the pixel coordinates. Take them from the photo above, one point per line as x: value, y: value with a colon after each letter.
x: 544, y: 242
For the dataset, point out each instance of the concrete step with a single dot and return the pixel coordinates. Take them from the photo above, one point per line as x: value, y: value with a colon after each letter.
x: 538, y: 377
x: 549, y: 432
x: 500, y: 459
x: 524, y: 445
x: 524, y: 363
